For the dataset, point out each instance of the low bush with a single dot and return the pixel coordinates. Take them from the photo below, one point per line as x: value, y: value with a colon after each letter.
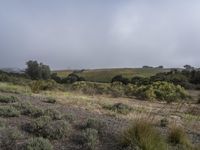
x: 37, y: 125
x: 141, y: 135
x: 9, y: 111
x: 178, y: 136
x: 90, y: 139
x: 8, y: 99
x: 119, y: 108
x: 94, y: 124
x: 43, y: 85
x: 162, y: 91
x: 28, y: 109
x: 8, y: 138
x: 53, y: 114
x: 45, y: 127
x: 38, y: 143
x: 91, y: 87
x: 56, y: 129
x: 68, y: 117
x: 51, y: 100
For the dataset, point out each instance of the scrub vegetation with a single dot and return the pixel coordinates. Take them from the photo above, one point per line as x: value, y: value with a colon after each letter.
x: 132, y: 109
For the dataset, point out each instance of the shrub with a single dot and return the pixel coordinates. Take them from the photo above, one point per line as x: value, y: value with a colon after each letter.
x: 43, y: 85
x: 28, y: 109
x: 56, y: 130
x: 8, y: 99
x: 90, y: 138
x: 142, y: 135
x: 51, y: 100
x: 117, y: 89
x: 9, y: 111
x: 72, y: 78
x: 68, y: 117
x: 162, y: 91
x: 120, y: 108
x: 120, y: 78
x: 94, y: 124
x: 53, y: 114
x: 37, y: 125
x: 38, y: 143
x: 8, y: 138
x: 91, y: 87
x: 178, y: 136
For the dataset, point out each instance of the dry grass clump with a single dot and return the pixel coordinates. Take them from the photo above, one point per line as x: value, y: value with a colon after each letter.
x: 177, y: 135
x: 142, y: 135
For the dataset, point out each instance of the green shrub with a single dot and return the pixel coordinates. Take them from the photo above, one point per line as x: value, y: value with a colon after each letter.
x: 178, y: 136
x: 117, y: 89
x: 68, y: 117
x: 91, y: 87
x: 38, y: 143
x: 9, y: 111
x: 29, y: 110
x: 51, y: 100
x: 8, y: 138
x: 37, y: 125
x: 56, y: 129
x: 8, y: 99
x: 90, y: 138
x: 119, y: 108
x: 162, y: 91
x: 94, y: 124
x: 143, y: 136
x: 45, y: 127
x: 54, y: 114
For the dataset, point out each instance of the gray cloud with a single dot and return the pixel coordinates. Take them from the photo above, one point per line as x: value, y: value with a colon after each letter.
x: 97, y: 34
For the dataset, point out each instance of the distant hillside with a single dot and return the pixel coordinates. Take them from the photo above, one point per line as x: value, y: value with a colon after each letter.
x: 12, y: 70
x: 105, y: 75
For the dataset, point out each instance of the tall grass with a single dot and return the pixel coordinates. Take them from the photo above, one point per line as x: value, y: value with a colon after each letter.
x: 11, y: 88
x: 142, y: 135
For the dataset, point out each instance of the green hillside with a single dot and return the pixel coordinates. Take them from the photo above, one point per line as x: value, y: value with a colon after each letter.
x: 105, y: 75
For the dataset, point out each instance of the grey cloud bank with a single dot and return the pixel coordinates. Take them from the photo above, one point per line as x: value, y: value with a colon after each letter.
x: 99, y: 34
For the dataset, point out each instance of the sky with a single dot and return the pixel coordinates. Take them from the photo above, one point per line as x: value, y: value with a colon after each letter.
x: 86, y: 34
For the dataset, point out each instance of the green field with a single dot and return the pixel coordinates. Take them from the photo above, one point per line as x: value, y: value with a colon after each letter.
x: 105, y: 75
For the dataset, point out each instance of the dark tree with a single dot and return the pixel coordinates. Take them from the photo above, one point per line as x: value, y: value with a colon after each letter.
x: 120, y: 78
x: 37, y: 71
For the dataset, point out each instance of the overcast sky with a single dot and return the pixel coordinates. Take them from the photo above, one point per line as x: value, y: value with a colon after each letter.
x: 73, y: 34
